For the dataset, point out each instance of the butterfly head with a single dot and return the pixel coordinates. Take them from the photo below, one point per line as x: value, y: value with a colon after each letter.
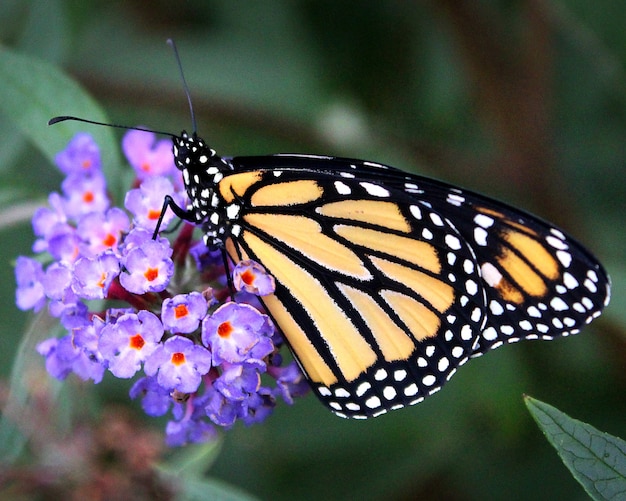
x: 202, y: 170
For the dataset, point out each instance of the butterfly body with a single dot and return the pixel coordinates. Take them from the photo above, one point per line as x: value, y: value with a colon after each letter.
x: 387, y: 282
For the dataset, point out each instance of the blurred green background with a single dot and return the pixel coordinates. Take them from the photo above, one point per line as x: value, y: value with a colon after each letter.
x: 521, y: 100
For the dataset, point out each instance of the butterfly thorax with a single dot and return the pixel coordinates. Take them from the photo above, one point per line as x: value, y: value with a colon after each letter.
x: 202, y: 170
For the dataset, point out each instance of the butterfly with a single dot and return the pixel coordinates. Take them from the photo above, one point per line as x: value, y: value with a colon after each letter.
x: 386, y: 282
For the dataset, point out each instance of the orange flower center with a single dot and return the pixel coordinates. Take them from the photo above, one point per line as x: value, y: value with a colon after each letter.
x: 136, y: 342
x: 225, y: 329
x: 109, y: 240
x: 248, y: 277
x: 88, y: 197
x: 178, y: 358
x: 181, y: 311
x: 151, y: 274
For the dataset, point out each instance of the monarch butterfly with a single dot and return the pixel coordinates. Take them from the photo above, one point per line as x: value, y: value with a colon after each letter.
x: 386, y: 282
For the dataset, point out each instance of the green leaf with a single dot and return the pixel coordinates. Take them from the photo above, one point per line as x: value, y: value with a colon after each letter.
x: 209, y: 490
x: 33, y: 91
x: 192, y: 460
x: 25, y: 385
x: 186, y: 468
x: 596, y: 459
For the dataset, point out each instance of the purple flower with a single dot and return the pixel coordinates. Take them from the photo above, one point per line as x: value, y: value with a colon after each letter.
x: 64, y: 357
x: 184, y: 312
x: 146, y: 202
x: 221, y: 410
x: 127, y: 343
x: 156, y: 400
x: 138, y: 236
x: 85, y: 194
x: 30, y: 291
x: 148, y: 268
x: 251, y: 277
x: 49, y: 221
x: 237, y: 333
x: 290, y: 381
x: 180, y: 364
x: 57, y: 280
x: 64, y: 246
x: 102, y: 231
x: 205, y: 258
x: 93, y: 251
x: 238, y: 381
x: 191, y: 425
x: 92, y: 277
x: 81, y: 155
x: 146, y: 155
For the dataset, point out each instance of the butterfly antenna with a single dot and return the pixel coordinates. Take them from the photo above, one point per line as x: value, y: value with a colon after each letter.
x: 63, y: 118
x: 171, y: 43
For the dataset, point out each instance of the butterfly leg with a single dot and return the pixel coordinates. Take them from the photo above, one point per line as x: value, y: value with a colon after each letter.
x: 181, y: 213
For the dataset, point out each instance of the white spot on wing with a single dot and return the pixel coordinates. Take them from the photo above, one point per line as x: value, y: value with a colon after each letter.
x: 375, y: 189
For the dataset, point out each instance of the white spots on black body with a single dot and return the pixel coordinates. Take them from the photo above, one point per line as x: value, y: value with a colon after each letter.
x: 232, y: 211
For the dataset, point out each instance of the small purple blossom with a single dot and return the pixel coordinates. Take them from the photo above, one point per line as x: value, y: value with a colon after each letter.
x: 85, y: 194
x: 155, y: 400
x: 184, y: 312
x: 128, y: 342
x: 92, y: 277
x: 147, y: 268
x: 148, y: 156
x: 180, y: 364
x: 290, y: 382
x: 102, y: 231
x: 57, y: 280
x: 64, y: 357
x: 50, y: 221
x: 251, y: 277
x: 81, y: 156
x: 238, y: 381
x: 146, y: 202
x: 30, y: 293
x: 237, y: 333
x: 191, y: 425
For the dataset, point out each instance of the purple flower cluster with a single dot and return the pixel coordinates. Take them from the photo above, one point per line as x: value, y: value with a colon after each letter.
x: 192, y: 355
